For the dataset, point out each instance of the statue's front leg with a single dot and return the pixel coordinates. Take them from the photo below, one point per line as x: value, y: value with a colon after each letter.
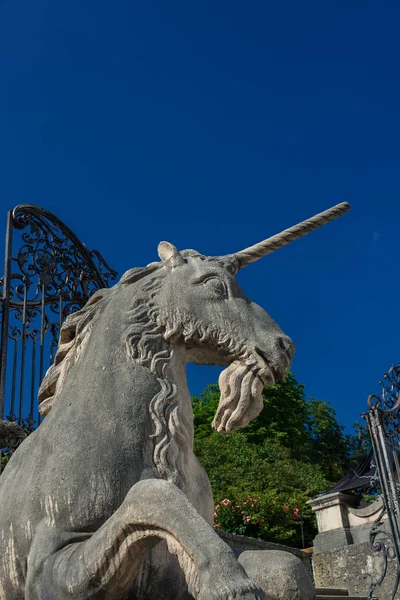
x: 105, y: 564
x: 209, y: 565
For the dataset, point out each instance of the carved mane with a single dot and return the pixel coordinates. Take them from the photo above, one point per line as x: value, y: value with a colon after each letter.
x: 74, y: 333
x: 145, y: 345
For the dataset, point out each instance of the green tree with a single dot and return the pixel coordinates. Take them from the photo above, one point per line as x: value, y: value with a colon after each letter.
x: 263, y: 475
x: 329, y: 447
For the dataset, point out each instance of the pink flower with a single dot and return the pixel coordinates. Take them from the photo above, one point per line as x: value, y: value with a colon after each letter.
x: 225, y: 502
x: 215, y: 515
x: 248, y: 519
x: 296, y: 513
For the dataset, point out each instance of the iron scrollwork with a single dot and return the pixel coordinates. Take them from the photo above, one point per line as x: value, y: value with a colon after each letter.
x: 383, y: 420
x: 61, y: 262
x: 383, y: 544
x: 49, y: 275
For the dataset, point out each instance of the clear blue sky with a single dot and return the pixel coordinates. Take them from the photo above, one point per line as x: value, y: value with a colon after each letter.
x: 214, y: 125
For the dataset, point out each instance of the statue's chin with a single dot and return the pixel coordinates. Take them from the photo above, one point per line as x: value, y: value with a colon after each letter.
x: 241, y: 400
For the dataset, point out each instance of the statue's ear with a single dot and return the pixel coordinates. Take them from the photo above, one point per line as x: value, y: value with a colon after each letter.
x: 169, y: 254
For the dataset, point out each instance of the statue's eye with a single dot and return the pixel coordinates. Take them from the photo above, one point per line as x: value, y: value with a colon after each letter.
x: 216, y: 284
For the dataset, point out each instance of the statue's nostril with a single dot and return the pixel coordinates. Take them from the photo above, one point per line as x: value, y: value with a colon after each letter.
x: 282, y: 343
x: 286, y: 344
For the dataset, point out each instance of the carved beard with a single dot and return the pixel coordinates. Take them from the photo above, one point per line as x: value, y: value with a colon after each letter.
x: 241, y: 400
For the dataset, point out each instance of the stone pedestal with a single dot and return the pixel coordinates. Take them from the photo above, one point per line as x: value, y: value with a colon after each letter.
x: 342, y: 553
x: 332, y: 512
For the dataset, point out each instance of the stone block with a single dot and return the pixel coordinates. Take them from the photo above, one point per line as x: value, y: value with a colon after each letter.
x: 281, y: 575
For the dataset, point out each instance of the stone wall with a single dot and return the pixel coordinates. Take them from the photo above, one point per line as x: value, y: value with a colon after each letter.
x: 349, y: 567
x: 239, y: 543
x: 342, y: 553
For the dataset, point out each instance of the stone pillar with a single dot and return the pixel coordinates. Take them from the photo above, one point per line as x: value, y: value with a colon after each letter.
x: 332, y: 512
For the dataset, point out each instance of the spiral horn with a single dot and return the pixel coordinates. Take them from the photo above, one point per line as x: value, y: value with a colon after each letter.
x: 253, y: 253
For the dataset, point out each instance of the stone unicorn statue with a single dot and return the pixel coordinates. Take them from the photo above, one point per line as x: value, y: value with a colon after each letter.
x: 110, y: 473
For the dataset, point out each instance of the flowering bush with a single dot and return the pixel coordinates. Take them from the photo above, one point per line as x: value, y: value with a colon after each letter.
x: 238, y: 516
x: 293, y: 450
x: 257, y: 517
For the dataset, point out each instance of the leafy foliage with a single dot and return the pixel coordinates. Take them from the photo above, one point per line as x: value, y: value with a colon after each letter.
x: 3, y: 461
x: 263, y: 475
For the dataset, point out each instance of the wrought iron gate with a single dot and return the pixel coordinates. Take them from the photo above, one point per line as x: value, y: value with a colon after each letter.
x: 48, y: 274
x: 383, y: 420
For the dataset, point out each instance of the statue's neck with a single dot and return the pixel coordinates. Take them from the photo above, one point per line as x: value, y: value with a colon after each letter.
x: 176, y: 374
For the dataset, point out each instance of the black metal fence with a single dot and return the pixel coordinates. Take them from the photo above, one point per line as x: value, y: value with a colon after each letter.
x: 48, y: 274
x: 383, y: 420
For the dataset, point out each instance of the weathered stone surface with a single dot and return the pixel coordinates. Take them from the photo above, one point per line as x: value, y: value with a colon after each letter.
x: 243, y: 542
x: 281, y: 575
x: 350, y: 567
x: 239, y: 543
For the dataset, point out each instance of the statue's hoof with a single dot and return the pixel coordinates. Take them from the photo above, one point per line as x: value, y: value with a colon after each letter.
x: 281, y: 575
